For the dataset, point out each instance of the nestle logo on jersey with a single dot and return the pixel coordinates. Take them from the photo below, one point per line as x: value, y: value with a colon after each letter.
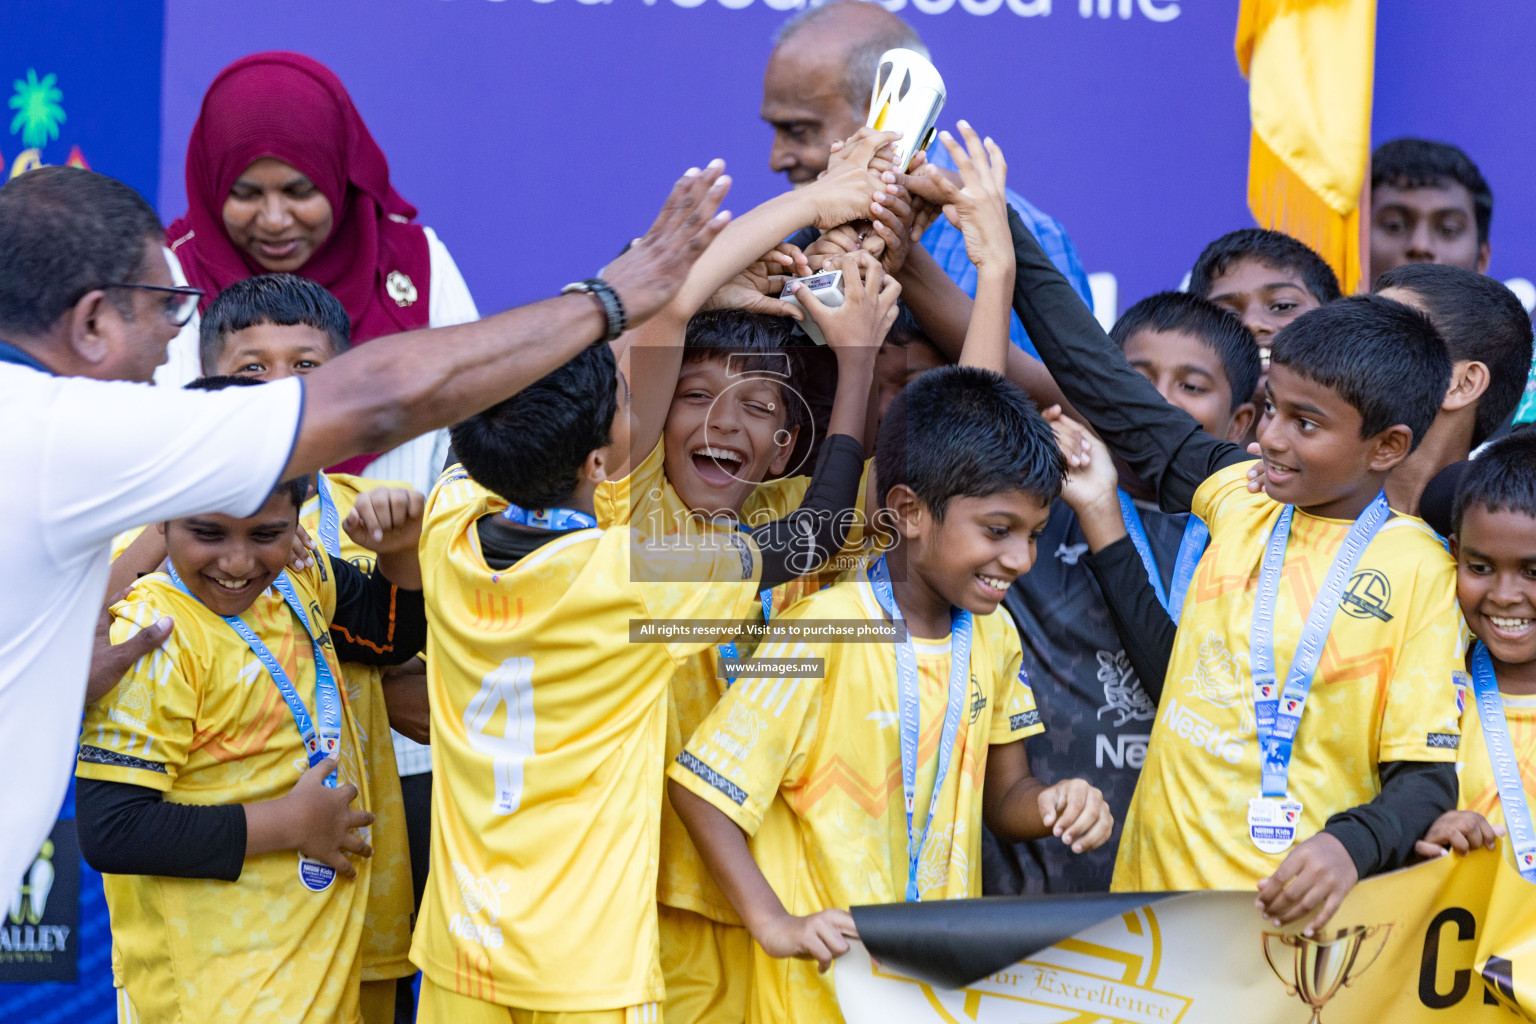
x: 464, y: 927
x: 1201, y: 732
x: 1128, y: 751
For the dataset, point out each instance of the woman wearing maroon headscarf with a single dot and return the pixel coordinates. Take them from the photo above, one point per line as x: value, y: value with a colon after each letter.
x: 282, y: 175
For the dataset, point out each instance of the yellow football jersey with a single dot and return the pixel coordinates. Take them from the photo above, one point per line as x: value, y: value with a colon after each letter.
x: 548, y: 736
x: 391, y: 900
x: 201, y: 721
x: 811, y: 769
x: 1479, y: 788
x: 1384, y: 689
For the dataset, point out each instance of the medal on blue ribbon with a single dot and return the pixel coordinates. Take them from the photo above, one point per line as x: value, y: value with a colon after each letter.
x: 549, y: 518
x: 1506, y: 768
x: 320, y: 741
x: 1274, y: 816
x: 908, y: 706
x: 1191, y: 547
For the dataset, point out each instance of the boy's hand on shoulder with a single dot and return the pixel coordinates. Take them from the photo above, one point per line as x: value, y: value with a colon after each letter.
x: 1316, y: 875
x: 757, y: 288
x: 322, y: 820
x: 387, y: 520
x: 1074, y: 810
x: 822, y: 936
x: 302, y: 554
x: 1462, y: 831
x: 860, y: 324
x: 109, y: 661
x: 1256, y: 471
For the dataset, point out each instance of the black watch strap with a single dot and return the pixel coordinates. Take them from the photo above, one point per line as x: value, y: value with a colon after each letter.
x: 613, y: 306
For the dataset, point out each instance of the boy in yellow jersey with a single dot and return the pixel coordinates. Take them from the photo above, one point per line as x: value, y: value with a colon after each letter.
x: 232, y: 756
x: 1495, y: 549
x: 548, y: 680
x: 1308, y: 720
x: 266, y: 328
x: 818, y: 771
x: 715, y: 408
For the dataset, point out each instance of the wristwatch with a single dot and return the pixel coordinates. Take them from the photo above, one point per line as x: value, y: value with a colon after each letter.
x: 613, y: 307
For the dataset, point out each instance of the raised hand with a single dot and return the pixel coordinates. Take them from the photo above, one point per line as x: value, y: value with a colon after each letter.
x: 322, y: 821
x: 822, y: 936
x: 845, y: 190
x: 651, y: 271
x: 979, y: 206
x: 868, y: 309
x: 386, y: 520
x: 757, y: 288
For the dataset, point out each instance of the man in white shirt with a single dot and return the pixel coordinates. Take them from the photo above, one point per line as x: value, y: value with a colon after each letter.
x: 87, y: 307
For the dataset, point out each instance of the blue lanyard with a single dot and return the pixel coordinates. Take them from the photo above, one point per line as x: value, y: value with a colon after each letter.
x: 328, y: 740
x: 728, y: 649
x: 1506, y: 770
x: 1191, y: 547
x: 1278, y: 715
x: 330, y: 519
x: 11, y: 354
x: 549, y: 518
x: 908, y: 708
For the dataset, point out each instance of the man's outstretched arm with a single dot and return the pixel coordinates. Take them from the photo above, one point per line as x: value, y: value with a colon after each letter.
x: 390, y: 390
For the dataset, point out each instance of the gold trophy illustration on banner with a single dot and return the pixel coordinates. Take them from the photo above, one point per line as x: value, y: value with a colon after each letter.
x: 1314, y: 969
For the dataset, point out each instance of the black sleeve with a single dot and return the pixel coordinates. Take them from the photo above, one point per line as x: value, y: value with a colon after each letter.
x: 376, y: 622
x: 130, y: 830
x: 1164, y: 445
x: 802, y: 541
x: 1146, y: 632
x: 1380, y: 835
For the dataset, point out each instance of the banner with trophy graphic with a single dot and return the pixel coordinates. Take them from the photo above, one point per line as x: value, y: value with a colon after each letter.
x: 1449, y: 940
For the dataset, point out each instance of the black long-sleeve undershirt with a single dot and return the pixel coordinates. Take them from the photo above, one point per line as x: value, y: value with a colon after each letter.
x: 132, y: 830
x: 1163, y: 445
x: 1167, y: 448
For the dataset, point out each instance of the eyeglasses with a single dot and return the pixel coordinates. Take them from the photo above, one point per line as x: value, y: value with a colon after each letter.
x: 180, y: 303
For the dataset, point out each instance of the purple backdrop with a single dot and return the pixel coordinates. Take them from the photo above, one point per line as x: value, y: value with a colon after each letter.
x: 536, y: 137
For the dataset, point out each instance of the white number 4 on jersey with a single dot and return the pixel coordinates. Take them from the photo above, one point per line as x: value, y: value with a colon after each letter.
x: 511, y: 684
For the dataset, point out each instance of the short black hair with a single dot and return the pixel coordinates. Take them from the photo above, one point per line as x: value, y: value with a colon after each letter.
x: 1479, y: 319
x: 965, y: 432
x: 296, y: 488
x: 1501, y: 479
x: 1382, y: 357
x: 1219, y: 328
x: 65, y: 231
x: 1271, y: 248
x: 284, y: 300
x: 753, y: 342
x: 529, y: 449
x: 905, y: 330
x: 1420, y: 163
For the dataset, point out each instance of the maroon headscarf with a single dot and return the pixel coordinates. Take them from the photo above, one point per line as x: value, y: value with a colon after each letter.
x: 291, y: 107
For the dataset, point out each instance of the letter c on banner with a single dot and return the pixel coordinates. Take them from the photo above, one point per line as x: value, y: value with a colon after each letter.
x: 1029, y: 8
x: 981, y: 8
x: 1167, y: 12
x: 1466, y: 930
x: 933, y: 6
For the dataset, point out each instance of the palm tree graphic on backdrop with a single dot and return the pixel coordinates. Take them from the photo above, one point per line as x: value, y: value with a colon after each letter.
x: 38, y: 113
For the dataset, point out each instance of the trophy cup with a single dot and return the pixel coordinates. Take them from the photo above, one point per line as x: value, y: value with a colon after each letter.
x: 909, y: 93
x: 1317, y: 968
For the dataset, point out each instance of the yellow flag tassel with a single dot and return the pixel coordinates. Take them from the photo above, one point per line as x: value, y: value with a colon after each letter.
x: 1283, y: 202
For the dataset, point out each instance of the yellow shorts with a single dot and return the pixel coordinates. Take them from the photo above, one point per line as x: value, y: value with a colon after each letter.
x: 444, y: 1006
x: 707, y: 966
x: 378, y: 1001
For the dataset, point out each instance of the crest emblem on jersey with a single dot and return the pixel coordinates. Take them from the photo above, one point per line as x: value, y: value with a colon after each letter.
x: 1123, y: 692
x: 1367, y: 597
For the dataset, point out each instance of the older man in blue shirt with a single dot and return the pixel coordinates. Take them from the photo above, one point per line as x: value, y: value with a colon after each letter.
x: 816, y: 91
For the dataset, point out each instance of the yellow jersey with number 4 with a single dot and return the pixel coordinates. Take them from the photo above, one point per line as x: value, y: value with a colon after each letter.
x: 548, y: 726
x: 1383, y: 690
x: 201, y: 721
